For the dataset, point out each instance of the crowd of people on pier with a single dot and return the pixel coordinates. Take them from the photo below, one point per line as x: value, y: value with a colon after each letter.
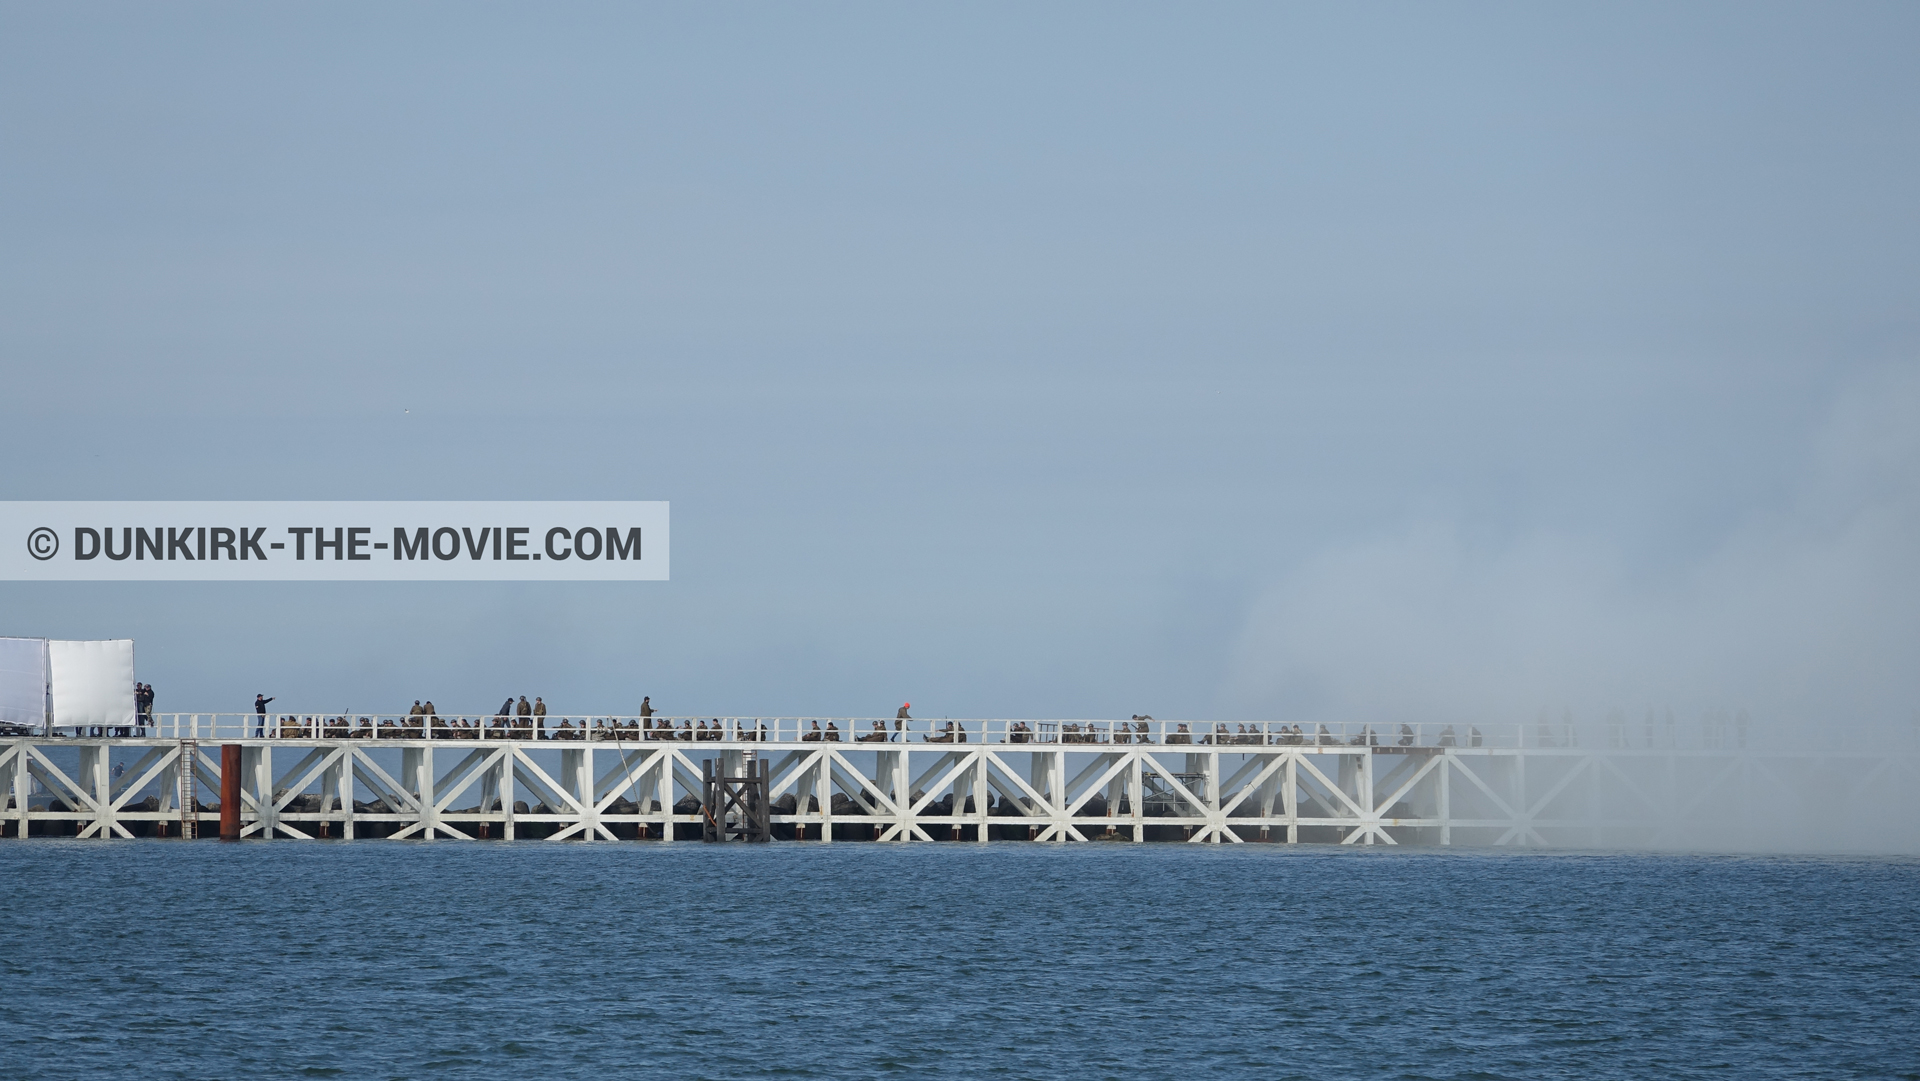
x: 521, y: 719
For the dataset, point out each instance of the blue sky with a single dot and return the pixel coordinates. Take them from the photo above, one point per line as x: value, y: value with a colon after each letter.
x: 1368, y: 363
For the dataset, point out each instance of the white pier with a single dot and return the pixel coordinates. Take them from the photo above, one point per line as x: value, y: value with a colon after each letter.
x: 859, y: 779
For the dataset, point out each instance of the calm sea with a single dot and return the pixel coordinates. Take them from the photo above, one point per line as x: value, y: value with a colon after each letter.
x: 382, y: 959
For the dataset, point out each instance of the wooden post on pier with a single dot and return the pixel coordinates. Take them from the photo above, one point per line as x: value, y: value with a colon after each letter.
x: 230, y: 771
x: 724, y: 796
x: 759, y: 799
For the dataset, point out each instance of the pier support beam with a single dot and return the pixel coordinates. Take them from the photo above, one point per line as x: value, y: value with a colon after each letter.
x: 1231, y: 789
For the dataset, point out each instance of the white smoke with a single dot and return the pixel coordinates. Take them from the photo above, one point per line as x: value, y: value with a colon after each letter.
x: 1807, y: 613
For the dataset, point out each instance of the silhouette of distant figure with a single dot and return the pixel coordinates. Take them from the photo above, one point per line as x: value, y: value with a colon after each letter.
x: 900, y: 719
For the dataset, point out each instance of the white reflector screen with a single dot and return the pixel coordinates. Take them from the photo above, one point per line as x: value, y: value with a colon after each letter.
x: 23, y: 681
x: 92, y: 682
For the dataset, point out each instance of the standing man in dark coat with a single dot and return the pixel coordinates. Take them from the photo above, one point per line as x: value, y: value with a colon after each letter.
x: 900, y: 720
x: 260, y: 710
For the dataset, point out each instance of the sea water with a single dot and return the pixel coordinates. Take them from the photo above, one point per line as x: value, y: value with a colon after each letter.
x: 156, y: 959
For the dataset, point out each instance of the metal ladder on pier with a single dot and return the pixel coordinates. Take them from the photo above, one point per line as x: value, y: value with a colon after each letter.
x: 189, y: 790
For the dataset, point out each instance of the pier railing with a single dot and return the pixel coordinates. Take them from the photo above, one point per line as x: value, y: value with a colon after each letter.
x: 873, y: 731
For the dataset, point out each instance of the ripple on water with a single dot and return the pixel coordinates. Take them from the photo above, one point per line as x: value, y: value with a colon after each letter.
x: 388, y: 959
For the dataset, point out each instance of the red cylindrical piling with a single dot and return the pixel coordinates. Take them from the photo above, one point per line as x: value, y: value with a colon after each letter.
x: 230, y: 791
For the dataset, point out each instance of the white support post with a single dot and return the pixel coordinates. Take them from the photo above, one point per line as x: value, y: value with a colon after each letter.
x: 980, y: 828
x: 823, y: 783
x: 902, y: 794
x: 346, y: 793
x: 663, y: 794
x: 1039, y: 764
x: 589, y: 800
x: 103, y: 789
x: 170, y: 786
x: 576, y: 780
x: 489, y: 792
x: 507, y: 795
x: 1366, y: 795
x: 1057, y: 792
x: 883, y: 780
x: 1269, y: 791
x: 422, y: 781
x: 1291, y: 797
x: 1136, y: 796
x: 99, y: 781
x: 1213, y: 797
x: 329, y: 791
x: 256, y: 773
x: 1446, y: 797
x: 410, y: 784
x: 22, y: 788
